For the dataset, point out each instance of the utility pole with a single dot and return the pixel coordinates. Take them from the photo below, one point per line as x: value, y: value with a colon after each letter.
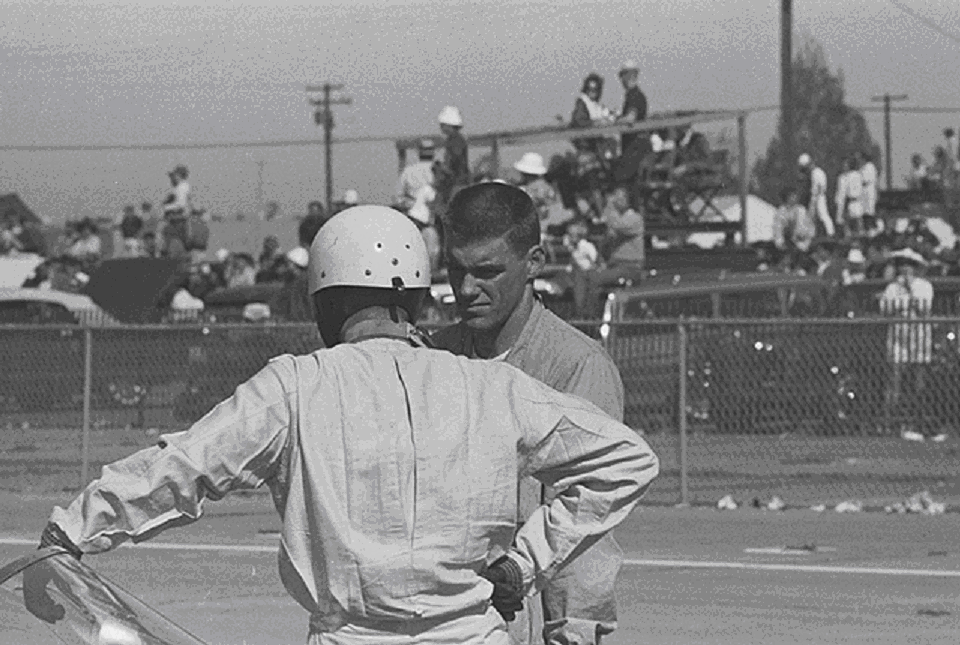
x: 324, y: 116
x: 886, y: 98
x: 786, y: 84
x: 260, y: 165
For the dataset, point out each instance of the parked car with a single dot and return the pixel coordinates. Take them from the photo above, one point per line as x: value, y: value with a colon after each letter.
x: 42, y: 349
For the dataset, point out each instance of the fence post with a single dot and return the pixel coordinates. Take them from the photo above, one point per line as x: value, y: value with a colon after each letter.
x: 682, y: 413
x: 87, y: 389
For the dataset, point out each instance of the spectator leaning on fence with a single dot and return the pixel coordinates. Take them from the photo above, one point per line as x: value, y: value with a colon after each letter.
x: 909, y: 344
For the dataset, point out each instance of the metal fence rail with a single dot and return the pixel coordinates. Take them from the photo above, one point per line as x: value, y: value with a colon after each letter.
x: 814, y: 411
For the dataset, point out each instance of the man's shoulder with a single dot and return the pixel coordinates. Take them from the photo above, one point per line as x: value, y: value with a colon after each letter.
x: 451, y: 338
x: 568, y: 342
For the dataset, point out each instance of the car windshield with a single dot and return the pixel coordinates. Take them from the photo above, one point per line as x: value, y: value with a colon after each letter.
x: 78, y: 607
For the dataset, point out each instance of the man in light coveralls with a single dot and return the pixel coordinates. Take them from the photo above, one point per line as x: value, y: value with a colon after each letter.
x: 394, y: 466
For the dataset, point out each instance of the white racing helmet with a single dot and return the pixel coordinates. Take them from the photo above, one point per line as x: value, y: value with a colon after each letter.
x: 368, y: 246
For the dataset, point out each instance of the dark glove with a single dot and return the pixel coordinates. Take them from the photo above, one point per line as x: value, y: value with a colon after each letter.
x: 507, y: 579
x: 38, y: 577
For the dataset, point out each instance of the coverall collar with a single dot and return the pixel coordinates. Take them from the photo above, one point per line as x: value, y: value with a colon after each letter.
x: 367, y: 329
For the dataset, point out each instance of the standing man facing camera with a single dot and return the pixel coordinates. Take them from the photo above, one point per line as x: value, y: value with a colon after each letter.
x: 493, y: 254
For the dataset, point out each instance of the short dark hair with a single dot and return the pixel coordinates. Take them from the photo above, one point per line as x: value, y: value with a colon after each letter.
x: 591, y: 78
x: 490, y: 210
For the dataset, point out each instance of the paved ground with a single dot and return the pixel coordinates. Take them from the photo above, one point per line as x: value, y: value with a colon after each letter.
x: 688, y: 578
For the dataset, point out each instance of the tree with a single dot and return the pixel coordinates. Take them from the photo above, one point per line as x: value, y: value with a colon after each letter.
x: 825, y: 127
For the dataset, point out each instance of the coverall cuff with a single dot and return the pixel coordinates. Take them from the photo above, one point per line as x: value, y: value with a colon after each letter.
x: 526, y: 569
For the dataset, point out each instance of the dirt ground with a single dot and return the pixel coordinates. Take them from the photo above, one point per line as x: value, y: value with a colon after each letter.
x: 680, y: 583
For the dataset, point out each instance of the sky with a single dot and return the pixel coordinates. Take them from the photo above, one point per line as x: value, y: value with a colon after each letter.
x: 149, y: 72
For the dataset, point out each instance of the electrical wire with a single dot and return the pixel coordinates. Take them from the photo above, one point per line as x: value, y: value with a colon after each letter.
x: 929, y: 24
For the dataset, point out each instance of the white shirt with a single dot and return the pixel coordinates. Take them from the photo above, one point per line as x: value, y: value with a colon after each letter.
x: 181, y: 197
x: 585, y: 255
x: 413, y: 178
x: 849, y: 194
x: 394, y: 469
x: 818, y: 182
x: 909, y: 342
x: 869, y: 174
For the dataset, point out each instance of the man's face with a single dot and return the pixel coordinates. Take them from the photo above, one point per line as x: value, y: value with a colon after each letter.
x: 593, y: 90
x: 628, y: 79
x: 488, y: 280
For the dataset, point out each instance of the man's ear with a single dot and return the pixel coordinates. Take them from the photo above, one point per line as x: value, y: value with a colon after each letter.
x: 536, y: 260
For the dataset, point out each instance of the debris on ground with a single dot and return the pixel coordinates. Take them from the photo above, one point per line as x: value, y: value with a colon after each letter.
x: 775, y: 504
x: 922, y: 503
x: 756, y: 503
x: 727, y: 504
x: 911, y: 435
x: 940, y: 438
x: 849, y: 506
x: 818, y: 508
x: 933, y: 612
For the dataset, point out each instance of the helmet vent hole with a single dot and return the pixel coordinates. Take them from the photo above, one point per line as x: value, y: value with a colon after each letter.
x: 395, y: 262
x: 379, y: 245
x: 368, y: 272
x: 417, y: 274
x: 407, y: 246
x: 323, y: 274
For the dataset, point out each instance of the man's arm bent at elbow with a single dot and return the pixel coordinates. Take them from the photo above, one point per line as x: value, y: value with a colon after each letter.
x: 236, y: 445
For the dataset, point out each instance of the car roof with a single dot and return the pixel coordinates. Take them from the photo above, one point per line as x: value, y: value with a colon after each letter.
x: 678, y: 287
x: 74, y: 302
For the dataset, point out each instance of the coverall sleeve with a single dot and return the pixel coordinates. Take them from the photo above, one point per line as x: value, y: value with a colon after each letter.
x: 599, y: 467
x: 579, y: 603
x: 236, y: 445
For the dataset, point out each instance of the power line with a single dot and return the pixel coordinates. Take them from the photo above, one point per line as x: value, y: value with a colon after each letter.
x: 925, y: 21
x: 913, y: 110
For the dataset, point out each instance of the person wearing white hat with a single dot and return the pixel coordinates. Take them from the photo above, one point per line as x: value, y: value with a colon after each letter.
x: 351, y: 197
x: 533, y: 182
x: 633, y: 146
x: 394, y: 466
x: 454, y: 171
x: 909, y: 345
x: 298, y: 257
x: 817, y: 205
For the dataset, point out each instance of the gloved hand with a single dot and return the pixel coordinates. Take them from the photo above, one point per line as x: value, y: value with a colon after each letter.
x: 37, y: 577
x: 507, y: 579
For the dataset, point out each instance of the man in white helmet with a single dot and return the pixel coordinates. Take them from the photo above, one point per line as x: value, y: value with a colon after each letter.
x: 394, y: 466
x: 818, y: 193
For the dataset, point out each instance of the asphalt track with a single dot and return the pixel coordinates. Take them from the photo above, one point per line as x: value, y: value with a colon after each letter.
x: 691, y: 575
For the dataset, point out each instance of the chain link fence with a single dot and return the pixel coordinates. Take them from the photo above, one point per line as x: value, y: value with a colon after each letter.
x: 813, y: 411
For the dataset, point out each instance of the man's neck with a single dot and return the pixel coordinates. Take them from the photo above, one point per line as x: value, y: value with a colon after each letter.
x: 496, y: 342
x: 370, y: 317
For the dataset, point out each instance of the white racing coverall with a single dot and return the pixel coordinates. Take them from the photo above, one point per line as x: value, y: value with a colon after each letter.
x: 394, y: 469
